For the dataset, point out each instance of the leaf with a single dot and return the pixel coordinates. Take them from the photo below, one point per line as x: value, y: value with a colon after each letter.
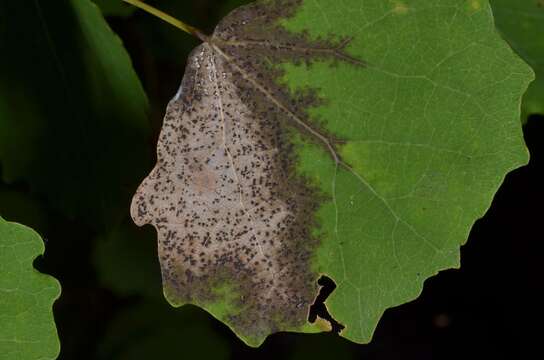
x: 126, y: 261
x: 26, y: 297
x: 321, y: 347
x: 114, y: 8
x: 356, y: 140
x: 521, y: 23
x: 72, y: 111
x: 225, y: 7
x: 18, y: 206
x: 154, y: 330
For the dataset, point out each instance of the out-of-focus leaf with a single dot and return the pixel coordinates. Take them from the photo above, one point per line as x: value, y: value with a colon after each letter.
x: 154, y: 330
x: 114, y: 7
x: 27, y: 328
x: 19, y: 206
x: 321, y: 347
x: 72, y: 111
x: 126, y: 261
x: 521, y: 23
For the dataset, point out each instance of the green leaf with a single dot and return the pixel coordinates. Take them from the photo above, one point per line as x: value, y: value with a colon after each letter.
x: 154, y: 330
x: 360, y: 140
x: 321, y: 347
x: 114, y: 8
x: 26, y: 297
x: 521, y: 23
x: 225, y: 7
x: 19, y: 206
x: 72, y: 110
x: 126, y: 261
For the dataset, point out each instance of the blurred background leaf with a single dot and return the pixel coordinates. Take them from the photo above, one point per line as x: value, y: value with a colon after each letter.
x: 153, y: 330
x: 126, y: 261
x: 73, y: 115
x: 521, y: 23
x: 19, y: 204
x: 115, y: 7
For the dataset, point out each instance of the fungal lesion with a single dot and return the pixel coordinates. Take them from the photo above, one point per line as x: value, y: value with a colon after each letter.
x: 330, y: 50
x: 225, y: 196
x: 203, y: 179
x: 253, y: 40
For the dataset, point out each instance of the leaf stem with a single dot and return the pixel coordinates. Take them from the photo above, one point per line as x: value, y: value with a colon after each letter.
x: 169, y: 19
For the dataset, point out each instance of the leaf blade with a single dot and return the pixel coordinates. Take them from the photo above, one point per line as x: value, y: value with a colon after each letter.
x: 521, y: 24
x: 26, y: 297
x: 399, y: 153
x: 73, y: 144
x: 402, y: 149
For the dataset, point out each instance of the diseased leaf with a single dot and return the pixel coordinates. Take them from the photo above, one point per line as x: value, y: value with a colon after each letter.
x: 356, y: 140
x: 26, y: 297
x: 126, y: 262
x: 521, y: 23
x: 78, y: 143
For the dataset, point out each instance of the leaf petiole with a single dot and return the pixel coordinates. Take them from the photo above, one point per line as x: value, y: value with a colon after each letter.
x: 169, y: 19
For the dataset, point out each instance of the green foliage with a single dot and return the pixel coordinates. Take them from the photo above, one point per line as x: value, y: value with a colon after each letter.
x: 126, y: 261
x: 26, y: 209
x: 115, y: 7
x: 521, y: 23
x: 85, y: 140
x: 153, y: 330
x: 430, y: 129
x: 74, y: 127
x: 26, y: 297
x: 321, y: 346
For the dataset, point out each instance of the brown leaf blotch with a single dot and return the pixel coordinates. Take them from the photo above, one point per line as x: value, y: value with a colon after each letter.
x: 224, y: 197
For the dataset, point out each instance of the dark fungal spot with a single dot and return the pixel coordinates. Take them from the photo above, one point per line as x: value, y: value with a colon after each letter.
x: 224, y: 196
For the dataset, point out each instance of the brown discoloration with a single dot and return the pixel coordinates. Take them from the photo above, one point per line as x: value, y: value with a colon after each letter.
x: 224, y: 196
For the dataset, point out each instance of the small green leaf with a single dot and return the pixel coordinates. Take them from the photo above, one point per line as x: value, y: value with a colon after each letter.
x: 26, y: 297
x: 73, y: 121
x: 521, y: 23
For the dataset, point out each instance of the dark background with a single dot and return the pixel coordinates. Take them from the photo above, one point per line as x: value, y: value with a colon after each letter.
x: 111, y: 305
